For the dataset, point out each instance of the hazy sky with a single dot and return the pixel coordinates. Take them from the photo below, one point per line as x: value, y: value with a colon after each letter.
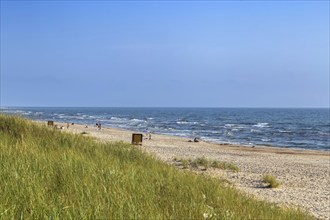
x: 165, y: 54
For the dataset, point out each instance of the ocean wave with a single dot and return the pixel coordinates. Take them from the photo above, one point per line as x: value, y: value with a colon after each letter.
x: 229, y: 125
x: 25, y: 113
x: 284, y: 131
x: 118, y: 119
x: 266, y: 139
x: 167, y: 129
x: 187, y: 122
x: 18, y: 112
x: 214, y: 140
x: 236, y: 126
x: 230, y: 134
x: 324, y: 133
x: 181, y: 134
x: 138, y: 120
x: 261, y: 125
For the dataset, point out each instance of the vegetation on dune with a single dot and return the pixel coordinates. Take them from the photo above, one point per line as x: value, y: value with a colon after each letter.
x: 202, y: 163
x: 54, y: 175
x: 271, y: 181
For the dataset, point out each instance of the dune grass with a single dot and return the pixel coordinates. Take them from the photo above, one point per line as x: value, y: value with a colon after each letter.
x: 205, y: 164
x: 48, y: 174
x: 271, y: 181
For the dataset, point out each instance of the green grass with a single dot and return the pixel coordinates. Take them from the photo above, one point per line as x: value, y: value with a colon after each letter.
x: 271, y: 181
x: 204, y: 163
x: 48, y: 174
x: 225, y: 166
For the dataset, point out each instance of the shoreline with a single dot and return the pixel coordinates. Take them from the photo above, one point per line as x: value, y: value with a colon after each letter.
x: 259, y: 148
x: 304, y: 174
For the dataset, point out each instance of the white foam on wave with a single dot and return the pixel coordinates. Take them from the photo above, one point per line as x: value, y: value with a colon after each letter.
x: 186, y: 122
x: 229, y: 125
x: 236, y: 126
x: 181, y: 134
x: 284, y: 131
x: 211, y: 139
x: 261, y: 125
x: 229, y: 134
x: 137, y: 120
x: 324, y: 133
x: 119, y: 120
x: 115, y: 118
x: 26, y: 113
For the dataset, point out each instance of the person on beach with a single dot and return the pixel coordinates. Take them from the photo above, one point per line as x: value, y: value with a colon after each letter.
x: 98, y: 125
x: 148, y: 134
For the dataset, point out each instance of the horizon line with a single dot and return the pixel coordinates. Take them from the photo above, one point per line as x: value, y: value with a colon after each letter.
x: 247, y: 107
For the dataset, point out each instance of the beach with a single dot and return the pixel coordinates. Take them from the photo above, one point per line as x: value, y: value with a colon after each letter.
x: 304, y: 174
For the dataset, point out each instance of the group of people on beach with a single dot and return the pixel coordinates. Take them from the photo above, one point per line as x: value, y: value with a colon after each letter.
x: 98, y: 125
x: 195, y: 140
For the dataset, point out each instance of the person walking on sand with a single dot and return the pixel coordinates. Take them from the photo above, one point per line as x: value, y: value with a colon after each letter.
x: 148, y: 134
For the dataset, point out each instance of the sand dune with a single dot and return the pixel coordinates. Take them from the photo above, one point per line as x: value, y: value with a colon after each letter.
x: 304, y: 174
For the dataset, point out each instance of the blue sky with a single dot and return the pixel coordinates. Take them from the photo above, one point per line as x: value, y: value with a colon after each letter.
x: 165, y: 54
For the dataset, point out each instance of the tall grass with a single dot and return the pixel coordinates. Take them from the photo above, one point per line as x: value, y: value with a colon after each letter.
x: 54, y: 175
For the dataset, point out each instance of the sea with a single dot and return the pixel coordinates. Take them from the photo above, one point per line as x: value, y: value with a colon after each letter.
x: 300, y: 128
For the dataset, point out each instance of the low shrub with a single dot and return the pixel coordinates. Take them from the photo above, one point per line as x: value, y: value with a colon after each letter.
x: 271, y: 181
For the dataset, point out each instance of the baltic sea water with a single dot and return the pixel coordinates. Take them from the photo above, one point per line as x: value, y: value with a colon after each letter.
x: 287, y: 128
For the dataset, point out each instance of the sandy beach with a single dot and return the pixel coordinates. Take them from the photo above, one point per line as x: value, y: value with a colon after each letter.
x: 304, y: 174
